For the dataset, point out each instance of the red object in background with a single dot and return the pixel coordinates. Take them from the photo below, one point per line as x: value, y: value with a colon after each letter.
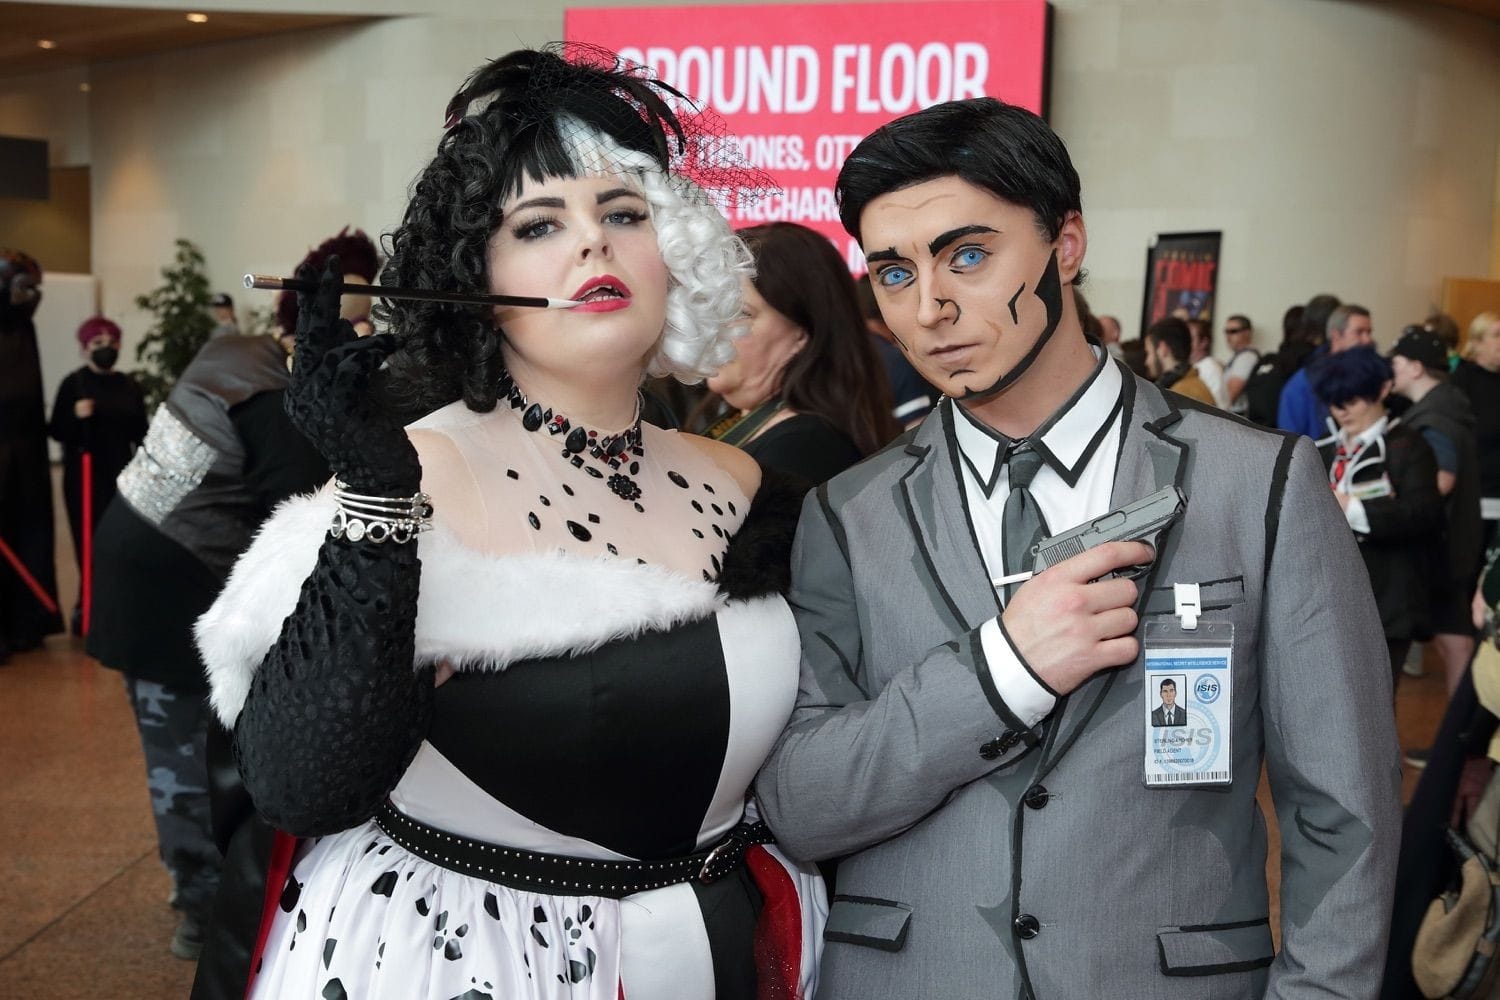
x: 87, y: 558
x: 800, y: 84
x: 37, y: 590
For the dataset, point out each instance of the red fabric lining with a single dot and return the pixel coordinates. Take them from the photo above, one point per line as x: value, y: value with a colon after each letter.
x: 778, y: 932
x: 283, y: 849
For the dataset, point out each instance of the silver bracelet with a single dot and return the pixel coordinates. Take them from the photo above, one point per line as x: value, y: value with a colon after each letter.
x: 362, y: 517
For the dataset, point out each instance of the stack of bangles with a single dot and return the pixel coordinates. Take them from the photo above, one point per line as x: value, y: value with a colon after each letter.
x: 362, y: 517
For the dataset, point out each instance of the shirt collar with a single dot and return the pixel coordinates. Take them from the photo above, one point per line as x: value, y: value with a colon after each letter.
x: 1066, y: 440
x: 1369, y: 434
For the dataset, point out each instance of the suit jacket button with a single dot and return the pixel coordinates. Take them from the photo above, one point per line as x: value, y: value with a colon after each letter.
x: 1009, y: 738
x: 990, y: 750
x: 1027, y: 926
x: 1036, y: 797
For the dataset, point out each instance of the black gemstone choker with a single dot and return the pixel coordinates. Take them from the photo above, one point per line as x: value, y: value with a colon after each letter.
x: 612, y: 450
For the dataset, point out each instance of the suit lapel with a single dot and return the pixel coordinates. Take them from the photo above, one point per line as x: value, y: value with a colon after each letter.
x: 937, y: 508
x: 1150, y: 459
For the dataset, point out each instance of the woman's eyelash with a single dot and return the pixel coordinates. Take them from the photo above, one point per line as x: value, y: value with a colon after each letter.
x: 529, y: 228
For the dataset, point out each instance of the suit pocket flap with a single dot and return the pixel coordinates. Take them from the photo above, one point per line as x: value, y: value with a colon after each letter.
x: 874, y: 923
x: 1213, y: 595
x: 1215, y: 948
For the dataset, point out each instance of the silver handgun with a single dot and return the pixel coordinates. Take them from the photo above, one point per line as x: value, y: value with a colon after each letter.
x: 1141, y: 521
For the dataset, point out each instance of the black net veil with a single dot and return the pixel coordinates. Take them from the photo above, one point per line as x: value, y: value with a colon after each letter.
x: 566, y: 110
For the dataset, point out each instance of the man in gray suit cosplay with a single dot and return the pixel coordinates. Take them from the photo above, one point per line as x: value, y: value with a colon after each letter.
x: 977, y: 754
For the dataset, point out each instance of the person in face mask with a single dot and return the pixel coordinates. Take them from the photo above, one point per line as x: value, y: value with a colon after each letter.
x: 99, y: 411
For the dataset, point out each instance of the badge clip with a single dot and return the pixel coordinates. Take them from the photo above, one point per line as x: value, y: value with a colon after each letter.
x: 1189, y: 605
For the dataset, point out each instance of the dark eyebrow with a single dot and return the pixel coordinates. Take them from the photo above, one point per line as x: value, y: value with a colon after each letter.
x: 889, y: 253
x: 619, y: 192
x: 538, y: 203
x: 943, y: 239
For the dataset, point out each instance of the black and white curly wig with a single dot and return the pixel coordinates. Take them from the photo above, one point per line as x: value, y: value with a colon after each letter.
x: 544, y: 114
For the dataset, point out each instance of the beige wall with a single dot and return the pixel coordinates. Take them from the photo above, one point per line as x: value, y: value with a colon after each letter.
x: 1340, y: 146
x: 51, y: 106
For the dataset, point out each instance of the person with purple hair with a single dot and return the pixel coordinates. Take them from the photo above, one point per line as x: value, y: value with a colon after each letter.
x: 1384, y: 476
x: 360, y: 261
x: 97, y: 411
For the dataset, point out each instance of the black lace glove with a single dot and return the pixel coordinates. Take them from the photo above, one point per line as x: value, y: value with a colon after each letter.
x: 330, y: 397
x: 336, y: 712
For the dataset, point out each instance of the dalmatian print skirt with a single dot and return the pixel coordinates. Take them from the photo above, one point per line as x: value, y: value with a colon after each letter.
x: 361, y: 918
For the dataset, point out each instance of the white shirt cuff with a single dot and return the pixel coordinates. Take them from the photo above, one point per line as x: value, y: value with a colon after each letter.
x: 1017, y: 686
x: 1356, y: 516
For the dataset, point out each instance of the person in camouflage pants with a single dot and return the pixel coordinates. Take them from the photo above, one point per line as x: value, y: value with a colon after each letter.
x: 173, y: 728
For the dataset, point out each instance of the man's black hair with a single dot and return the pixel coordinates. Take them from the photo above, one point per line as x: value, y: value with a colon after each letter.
x: 1004, y: 149
x: 1167, y: 681
x: 1174, y: 333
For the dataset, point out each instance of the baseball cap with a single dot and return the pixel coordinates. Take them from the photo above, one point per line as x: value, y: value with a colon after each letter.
x: 1421, y: 344
x: 221, y: 300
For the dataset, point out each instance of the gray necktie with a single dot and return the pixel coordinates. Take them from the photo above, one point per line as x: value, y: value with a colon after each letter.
x: 1021, y: 522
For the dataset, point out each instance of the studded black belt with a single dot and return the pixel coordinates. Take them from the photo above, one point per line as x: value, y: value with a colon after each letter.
x: 558, y: 875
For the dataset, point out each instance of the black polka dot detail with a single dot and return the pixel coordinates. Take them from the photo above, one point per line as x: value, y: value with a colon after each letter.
x: 717, y: 509
x: 610, y: 547
x: 579, y: 532
x: 707, y: 487
x: 593, y: 519
x: 697, y: 533
x: 569, y: 491
x: 593, y: 472
x: 697, y: 506
x: 730, y: 504
x: 677, y: 478
x: 512, y: 473
x: 536, y: 522
x: 545, y: 501
x: 639, y: 509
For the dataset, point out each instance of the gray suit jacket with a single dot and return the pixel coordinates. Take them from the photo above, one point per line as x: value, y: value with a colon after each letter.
x: 983, y: 860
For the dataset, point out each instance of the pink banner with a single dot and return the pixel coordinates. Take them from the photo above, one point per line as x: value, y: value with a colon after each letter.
x: 800, y: 84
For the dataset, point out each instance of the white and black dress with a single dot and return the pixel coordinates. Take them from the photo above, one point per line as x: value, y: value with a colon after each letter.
x: 601, y: 708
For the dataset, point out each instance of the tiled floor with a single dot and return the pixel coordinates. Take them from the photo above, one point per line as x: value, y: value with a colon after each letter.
x: 83, y: 909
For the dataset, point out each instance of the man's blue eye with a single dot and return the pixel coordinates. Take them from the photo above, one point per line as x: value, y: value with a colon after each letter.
x: 893, y: 276
x: 969, y: 256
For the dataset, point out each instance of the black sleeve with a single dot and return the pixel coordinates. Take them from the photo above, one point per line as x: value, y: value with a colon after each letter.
x: 65, y: 427
x: 804, y: 446
x: 1415, y: 508
x: 279, y: 460
x: 336, y: 712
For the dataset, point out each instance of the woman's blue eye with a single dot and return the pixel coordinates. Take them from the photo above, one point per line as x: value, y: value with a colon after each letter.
x: 892, y: 276
x: 626, y: 217
x: 533, y: 230
x: 969, y: 256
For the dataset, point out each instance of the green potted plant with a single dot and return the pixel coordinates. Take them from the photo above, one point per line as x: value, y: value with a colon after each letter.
x: 181, y: 323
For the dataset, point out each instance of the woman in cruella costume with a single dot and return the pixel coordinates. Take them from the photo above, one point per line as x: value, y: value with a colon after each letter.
x: 518, y: 746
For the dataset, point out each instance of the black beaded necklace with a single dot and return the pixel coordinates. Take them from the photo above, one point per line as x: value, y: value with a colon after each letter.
x: 611, y: 450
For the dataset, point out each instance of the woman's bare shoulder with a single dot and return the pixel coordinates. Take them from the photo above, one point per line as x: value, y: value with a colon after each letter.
x: 741, y: 467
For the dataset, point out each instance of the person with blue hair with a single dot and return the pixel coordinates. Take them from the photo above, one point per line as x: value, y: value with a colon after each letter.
x: 1385, y: 478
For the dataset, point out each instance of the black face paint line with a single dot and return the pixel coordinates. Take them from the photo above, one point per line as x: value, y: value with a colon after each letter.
x: 1049, y: 290
x: 958, y: 310
x: 1012, y: 303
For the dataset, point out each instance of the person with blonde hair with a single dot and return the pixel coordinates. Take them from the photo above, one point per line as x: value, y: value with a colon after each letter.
x: 1478, y: 375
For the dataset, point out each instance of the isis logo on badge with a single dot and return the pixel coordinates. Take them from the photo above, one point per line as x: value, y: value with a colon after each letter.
x: 1207, y: 689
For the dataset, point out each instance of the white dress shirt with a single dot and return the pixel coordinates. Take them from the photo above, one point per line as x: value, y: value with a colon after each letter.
x: 1212, y: 374
x: 1365, y: 447
x: 1080, y: 446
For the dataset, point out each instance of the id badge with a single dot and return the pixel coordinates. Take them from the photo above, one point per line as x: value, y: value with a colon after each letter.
x: 1372, y: 490
x: 1188, y: 706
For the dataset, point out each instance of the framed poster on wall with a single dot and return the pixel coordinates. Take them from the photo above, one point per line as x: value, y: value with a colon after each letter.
x: 1182, y: 276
